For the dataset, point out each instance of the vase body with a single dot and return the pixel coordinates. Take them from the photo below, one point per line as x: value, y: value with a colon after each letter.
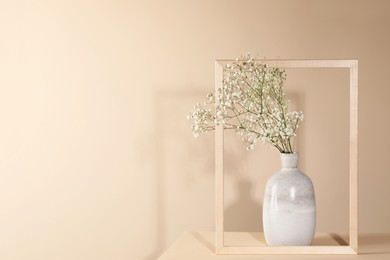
x: 289, y: 208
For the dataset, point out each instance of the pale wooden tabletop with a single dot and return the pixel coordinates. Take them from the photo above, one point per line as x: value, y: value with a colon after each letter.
x: 200, y: 246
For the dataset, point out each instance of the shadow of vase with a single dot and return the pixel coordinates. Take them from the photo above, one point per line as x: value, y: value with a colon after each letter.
x: 245, y: 213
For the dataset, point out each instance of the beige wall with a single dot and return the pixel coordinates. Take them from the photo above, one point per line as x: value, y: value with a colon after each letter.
x: 96, y: 158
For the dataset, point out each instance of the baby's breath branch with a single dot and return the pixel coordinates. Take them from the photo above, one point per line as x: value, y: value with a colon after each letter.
x: 251, y: 102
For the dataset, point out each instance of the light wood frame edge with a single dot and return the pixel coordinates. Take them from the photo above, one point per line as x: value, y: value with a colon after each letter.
x: 287, y: 250
x: 353, y: 166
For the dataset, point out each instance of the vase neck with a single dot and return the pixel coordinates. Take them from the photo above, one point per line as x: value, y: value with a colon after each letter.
x: 289, y: 160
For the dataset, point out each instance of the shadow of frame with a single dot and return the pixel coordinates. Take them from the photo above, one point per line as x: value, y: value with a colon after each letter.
x: 171, y: 125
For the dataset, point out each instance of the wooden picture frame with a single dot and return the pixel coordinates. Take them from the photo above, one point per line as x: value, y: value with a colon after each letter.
x: 352, y: 248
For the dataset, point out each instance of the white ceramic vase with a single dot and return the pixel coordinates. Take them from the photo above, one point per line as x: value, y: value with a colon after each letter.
x: 289, y: 207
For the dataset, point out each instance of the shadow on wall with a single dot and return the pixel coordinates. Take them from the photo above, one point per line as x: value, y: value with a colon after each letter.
x: 180, y: 161
x: 245, y: 213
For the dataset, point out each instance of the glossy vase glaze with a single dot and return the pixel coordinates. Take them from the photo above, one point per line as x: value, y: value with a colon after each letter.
x: 289, y: 208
